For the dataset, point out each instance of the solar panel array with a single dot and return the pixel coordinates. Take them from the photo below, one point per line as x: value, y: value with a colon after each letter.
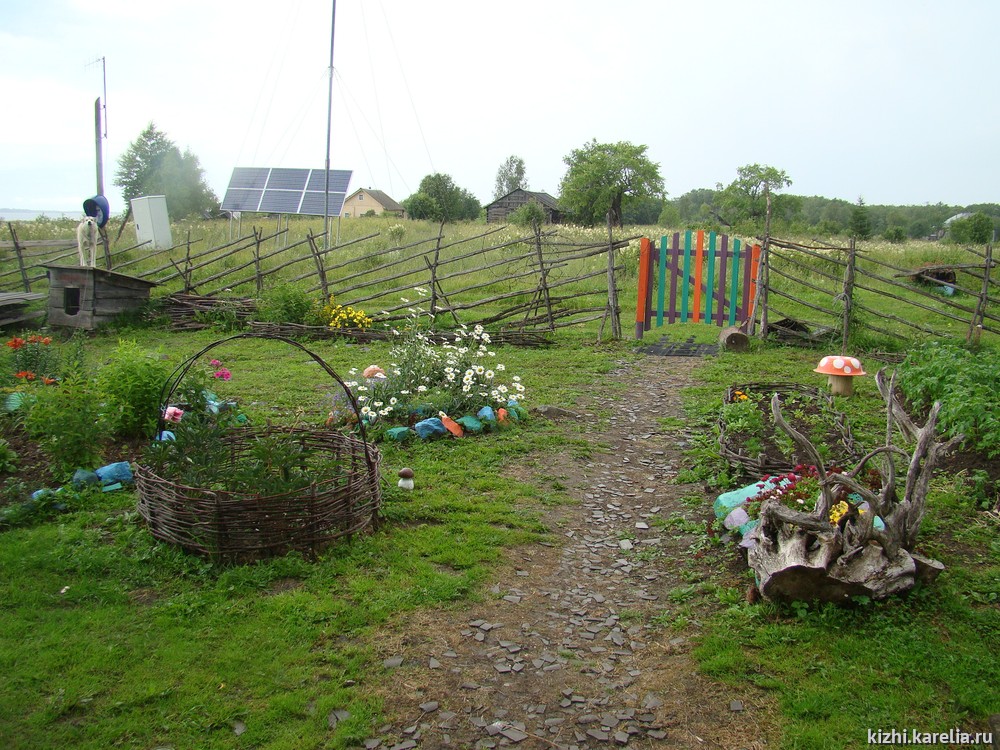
x: 285, y: 191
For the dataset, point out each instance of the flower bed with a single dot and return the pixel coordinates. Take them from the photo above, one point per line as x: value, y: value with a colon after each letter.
x: 216, y: 486
x: 749, y: 441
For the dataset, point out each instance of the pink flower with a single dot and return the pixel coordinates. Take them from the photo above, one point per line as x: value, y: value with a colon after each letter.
x: 173, y: 414
x: 223, y: 374
x: 215, y: 363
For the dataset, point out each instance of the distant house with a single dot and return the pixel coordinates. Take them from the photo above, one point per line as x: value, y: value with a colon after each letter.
x: 498, y: 210
x: 363, y: 201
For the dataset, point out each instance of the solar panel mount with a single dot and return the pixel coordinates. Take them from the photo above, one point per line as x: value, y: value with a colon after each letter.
x: 281, y: 190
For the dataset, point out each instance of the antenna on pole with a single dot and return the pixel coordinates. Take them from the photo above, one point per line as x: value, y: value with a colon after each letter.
x: 329, y: 119
x: 101, y: 133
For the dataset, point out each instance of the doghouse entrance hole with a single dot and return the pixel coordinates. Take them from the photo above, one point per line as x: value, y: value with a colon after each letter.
x: 71, y: 300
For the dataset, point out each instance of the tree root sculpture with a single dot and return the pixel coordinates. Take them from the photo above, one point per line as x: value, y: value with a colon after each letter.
x: 804, y: 556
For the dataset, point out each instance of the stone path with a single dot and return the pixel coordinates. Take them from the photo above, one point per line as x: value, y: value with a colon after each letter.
x: 575, y: 648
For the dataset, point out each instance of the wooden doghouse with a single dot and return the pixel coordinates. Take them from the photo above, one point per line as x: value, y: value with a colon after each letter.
x: 85, y: 297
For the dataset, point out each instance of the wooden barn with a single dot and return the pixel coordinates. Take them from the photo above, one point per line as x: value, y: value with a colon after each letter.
x: 85, y: 297
x: 498, y: 210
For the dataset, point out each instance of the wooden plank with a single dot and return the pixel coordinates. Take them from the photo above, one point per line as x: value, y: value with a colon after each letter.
x: 675, y: 249
x: 641, y: 295
x: 754, y: 269
x: 686, y: 277
x: 6, y: 321
x: 661, y: 289
x: 723, y: 269
x: 734, y: 283
x: 699, y: 262
x: 710, y: 277
x: 650, y: 281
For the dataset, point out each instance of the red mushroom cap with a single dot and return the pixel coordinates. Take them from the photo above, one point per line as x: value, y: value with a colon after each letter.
x: 835, y: 365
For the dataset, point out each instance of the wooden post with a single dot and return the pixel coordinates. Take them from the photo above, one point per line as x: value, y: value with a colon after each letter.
x: 766, y: 264
x: 976, y: 324
x: 543, y: 281
x: 848, y: 295
x: 20, y: 258
x: 256, y: 259
x: 616, y: 323
x: 433, y: 269
x: 320, y: 267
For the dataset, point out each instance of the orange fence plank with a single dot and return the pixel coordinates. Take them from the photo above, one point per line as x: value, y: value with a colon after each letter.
x: 699, y: 262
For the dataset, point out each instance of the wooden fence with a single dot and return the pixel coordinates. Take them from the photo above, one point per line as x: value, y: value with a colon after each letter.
x: 537, y: 280
x: 813, y: 291
x: 708, y: 278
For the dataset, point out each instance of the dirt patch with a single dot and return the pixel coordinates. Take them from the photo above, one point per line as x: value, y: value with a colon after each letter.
x: 585, y: 640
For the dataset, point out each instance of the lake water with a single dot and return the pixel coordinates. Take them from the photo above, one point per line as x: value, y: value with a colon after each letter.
x: 28, y: 214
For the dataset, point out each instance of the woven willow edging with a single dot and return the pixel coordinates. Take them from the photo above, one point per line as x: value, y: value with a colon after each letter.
x: 761, y: 465
x: 240, y: 527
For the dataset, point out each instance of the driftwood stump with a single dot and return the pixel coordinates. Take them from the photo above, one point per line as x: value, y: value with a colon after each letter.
x: 804, y: 556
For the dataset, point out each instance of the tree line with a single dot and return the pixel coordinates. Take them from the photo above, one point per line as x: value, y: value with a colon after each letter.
x: 613, y: 183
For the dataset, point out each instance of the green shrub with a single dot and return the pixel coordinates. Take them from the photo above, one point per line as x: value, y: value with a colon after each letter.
x: 964, y: 383
x: 529, y: 214
x: 66, y: 420
x: 132, y: 382
x: 895, y: 235
x: 285, y: 304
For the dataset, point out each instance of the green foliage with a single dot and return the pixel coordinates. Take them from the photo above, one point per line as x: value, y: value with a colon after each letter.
x: 153, y: 165
x: 285, y: 303
x: 530, y: 214
x: 964, y: 383
x: 439, y: 199
x: 976, y: 229
x: 66, y: 420
x: 861, y: 225
x: 670, y: 215
x: 33, y: 356
x: 132, y: 382
x: 510, y: 177
x: 601, y: 177
x: 895, y: 235
x: 9, y: 460
x: 744, y: 200
x: 223, y: 316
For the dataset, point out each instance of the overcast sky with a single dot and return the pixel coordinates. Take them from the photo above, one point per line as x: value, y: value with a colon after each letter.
x: 894, y: 101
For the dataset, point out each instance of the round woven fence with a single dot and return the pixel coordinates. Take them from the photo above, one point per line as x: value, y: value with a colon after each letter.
x: 840, y: 446
x: 343, y: 498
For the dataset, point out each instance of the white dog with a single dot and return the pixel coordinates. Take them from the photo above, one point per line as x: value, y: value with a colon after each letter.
x: 86, y: 239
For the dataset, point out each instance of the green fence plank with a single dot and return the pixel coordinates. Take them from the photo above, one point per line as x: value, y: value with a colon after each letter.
x: 734, y: 282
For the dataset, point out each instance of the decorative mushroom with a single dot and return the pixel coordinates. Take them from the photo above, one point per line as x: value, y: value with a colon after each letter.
x: 840, y: 371
x: 406, y: 478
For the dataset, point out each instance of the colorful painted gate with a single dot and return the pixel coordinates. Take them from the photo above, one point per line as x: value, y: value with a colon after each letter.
x: 694, y: 281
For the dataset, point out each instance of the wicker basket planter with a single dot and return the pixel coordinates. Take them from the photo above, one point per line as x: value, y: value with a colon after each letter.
x: 344, y: 498
x: 733, y: 450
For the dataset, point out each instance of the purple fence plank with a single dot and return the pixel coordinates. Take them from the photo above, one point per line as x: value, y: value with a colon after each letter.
x: 720, y: 315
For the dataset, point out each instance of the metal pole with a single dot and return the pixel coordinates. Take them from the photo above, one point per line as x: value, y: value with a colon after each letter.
x: 329, y: 119
x: 99, y: 145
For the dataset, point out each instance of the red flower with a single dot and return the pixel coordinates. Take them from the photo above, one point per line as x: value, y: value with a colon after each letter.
x: 25, y: 374
x: 16, y: 343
